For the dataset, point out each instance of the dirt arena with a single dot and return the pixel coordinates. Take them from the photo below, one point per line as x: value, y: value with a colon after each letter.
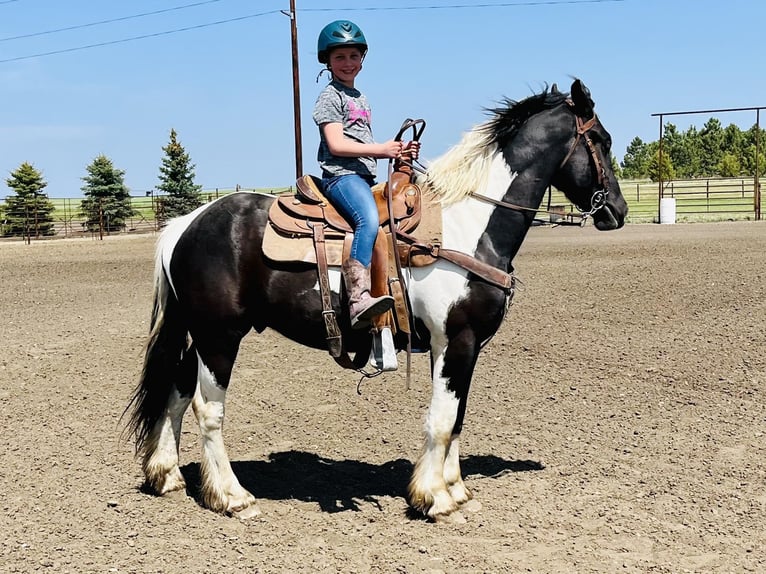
x: 616, y: 423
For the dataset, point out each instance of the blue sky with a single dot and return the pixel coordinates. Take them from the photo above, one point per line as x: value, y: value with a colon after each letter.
x: 227, y: 88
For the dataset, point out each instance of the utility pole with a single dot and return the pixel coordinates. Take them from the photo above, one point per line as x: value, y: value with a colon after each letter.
x: 296, y: 90
x: 756, y: 181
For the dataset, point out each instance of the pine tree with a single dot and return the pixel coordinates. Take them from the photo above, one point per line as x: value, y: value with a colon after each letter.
x: 107, y: 199
x: 711, y: 142
x: 177, y: 181
x: 616, y: 168
x: 635, y: 163
x: 667, y: 172
x: 749, y: 146
x: 29, y: 212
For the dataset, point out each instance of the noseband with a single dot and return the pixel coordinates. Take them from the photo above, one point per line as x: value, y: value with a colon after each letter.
x: 598, y: 199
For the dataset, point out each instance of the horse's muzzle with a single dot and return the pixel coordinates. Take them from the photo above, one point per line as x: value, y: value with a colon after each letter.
x: 606, y: 219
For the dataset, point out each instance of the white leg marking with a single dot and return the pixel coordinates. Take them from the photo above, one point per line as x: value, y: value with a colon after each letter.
x: 160, y: 462
x: 428, y: 488
x: 452, y: 475
x: 221, y: 490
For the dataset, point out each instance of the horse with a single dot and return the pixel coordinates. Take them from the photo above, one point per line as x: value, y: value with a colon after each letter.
x: 213, y: 284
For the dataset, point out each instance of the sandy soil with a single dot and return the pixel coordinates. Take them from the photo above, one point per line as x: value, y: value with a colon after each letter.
x: 616, y: 423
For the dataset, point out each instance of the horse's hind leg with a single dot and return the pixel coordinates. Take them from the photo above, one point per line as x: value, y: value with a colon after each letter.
x: 160, y: 453
x: 221, y: 490
x: 160, y: 462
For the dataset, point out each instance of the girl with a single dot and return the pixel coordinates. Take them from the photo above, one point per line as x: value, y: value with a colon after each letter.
x: 348, y: 158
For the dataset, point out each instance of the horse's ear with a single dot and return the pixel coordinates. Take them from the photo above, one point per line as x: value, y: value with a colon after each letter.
x: 583, y: 103
x: 555, y: 89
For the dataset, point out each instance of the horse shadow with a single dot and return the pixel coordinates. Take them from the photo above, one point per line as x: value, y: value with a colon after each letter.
x: 341, y: 485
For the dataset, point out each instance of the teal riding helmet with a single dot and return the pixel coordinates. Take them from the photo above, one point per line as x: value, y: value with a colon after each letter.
x: 339, y: 33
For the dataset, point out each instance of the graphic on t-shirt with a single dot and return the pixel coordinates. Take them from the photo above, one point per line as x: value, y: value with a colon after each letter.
x: 355, y: 113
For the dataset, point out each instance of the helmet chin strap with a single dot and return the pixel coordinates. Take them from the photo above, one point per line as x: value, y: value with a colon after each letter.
x: 322, y: 71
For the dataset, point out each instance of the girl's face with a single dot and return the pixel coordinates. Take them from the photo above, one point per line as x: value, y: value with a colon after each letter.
x: 345, y: 64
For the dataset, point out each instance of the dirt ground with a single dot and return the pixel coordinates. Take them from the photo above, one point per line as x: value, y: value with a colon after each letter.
x: 616, y: 423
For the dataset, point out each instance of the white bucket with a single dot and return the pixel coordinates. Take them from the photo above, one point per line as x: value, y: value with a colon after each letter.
x: 668, y: 210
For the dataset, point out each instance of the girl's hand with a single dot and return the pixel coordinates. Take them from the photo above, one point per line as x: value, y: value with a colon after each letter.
x: 412, y: 149
x: 391, y: 149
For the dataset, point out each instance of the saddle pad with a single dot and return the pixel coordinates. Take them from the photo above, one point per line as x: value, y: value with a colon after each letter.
x: 429, y: 230
x: 280, y: 247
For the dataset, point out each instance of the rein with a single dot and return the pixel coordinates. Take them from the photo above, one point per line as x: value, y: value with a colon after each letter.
x: 597, y: 200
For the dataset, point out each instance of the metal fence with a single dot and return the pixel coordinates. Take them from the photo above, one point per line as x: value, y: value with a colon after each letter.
x: 714, y: 199
x: 69, y: 221
x: 696, y: 200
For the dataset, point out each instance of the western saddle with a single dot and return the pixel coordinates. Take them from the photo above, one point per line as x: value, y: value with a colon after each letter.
x: 308, y: 214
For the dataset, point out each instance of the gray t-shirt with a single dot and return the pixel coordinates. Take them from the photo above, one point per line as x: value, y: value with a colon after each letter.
x: 347, y: 106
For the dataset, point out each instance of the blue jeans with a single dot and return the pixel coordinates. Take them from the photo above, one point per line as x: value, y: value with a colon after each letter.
x: 351, y: 196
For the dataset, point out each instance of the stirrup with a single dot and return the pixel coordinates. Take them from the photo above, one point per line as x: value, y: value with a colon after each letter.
x: 383, y: 353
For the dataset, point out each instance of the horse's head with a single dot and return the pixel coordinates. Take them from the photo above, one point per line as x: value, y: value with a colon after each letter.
x: 548, y: 138
x: 585, y: 174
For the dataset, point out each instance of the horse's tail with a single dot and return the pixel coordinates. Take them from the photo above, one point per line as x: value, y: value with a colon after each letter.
x: 165, y: 349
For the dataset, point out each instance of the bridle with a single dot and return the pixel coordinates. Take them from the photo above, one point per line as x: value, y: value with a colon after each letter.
x: 598, y: 199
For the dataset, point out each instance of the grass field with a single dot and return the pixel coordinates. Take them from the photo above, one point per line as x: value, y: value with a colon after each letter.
x: 696, y: 201
x: 68, y: 219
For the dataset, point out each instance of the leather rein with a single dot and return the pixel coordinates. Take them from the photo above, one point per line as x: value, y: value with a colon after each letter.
x: 598, y: 199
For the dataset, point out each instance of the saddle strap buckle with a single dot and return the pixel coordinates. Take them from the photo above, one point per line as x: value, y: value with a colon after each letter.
x: 333, y: 338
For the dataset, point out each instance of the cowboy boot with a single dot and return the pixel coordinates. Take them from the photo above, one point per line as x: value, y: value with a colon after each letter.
x: 362, y: 306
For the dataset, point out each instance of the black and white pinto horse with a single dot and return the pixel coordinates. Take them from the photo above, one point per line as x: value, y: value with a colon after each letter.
x: 212, y: 285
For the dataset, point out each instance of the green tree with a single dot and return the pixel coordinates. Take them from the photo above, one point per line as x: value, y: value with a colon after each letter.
x: 711, y: 143
x: 177, y: 181
x: 615, y: 165
x: 107, y: 199
x: 729, y: 165
x: 29, y: 211
x: 667, y: 170
x: 748, y: 151
x: 683, y: 149
x: 672, y: 145
x: 732, y: 139
x: 635, y: 163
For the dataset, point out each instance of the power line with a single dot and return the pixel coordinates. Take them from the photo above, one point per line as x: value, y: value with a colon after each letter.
x: 458, y: 6
x: 143, y: 37
x: 249, y: 16
x: 100, y: 22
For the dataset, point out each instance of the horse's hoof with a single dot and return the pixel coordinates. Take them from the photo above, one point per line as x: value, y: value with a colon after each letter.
x: 162, y: 483
x: 246, y: 513
x: 173, y: 486
x: 451, y: 518
x: 471, y: 506
x: 459, y: 493
x: 178, y: 494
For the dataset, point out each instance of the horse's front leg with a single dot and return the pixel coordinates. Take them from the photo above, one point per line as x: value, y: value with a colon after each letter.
x: 436, y: 488
x: 452, y: 474
x: 221, y: 491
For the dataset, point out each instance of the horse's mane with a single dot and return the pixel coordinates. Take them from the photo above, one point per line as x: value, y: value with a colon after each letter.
x: 464, y: 168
